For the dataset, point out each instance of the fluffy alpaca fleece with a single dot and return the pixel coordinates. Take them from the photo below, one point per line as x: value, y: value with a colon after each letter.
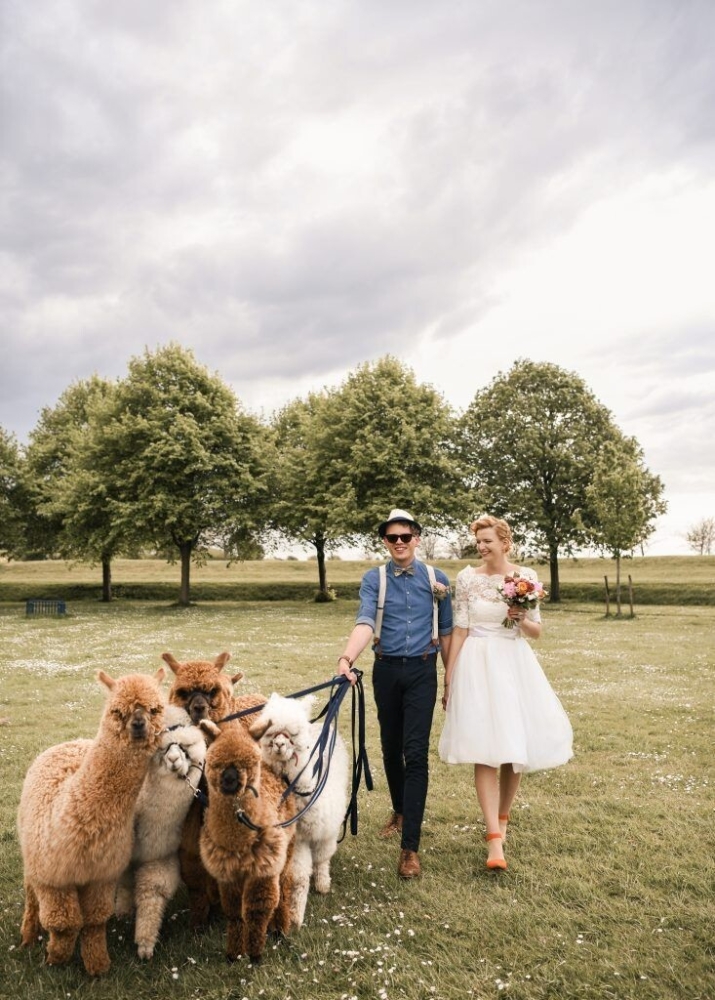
x: 76, y: 818
x: 251, y: 864
x: 166, y: 795
x: 287, y: 738
x: 206, y: 692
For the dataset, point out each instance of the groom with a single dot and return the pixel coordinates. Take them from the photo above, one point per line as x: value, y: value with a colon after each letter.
x: 404, y: 676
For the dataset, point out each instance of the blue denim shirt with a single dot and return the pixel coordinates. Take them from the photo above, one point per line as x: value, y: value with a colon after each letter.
x: 407, y: 618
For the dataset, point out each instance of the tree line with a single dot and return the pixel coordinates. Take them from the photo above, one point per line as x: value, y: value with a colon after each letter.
x: 167, y: 459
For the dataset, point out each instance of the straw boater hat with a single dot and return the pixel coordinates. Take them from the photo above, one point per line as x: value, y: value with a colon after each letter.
x: 403, y: 517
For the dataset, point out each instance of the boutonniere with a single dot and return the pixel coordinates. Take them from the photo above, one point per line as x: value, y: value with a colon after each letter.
x: 440, y: 591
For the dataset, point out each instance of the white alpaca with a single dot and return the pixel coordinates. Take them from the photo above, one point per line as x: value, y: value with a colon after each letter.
x: 286, y: 745
x: 166, y: 795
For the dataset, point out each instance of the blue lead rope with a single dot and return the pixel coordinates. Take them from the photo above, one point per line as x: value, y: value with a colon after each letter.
x: 325, y: 745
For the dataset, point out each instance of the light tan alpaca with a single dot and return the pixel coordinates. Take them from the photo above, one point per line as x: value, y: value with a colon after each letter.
x: 203, y: 689
x: 241, y: 845
x: 166, y: 795
x: 75, y: 822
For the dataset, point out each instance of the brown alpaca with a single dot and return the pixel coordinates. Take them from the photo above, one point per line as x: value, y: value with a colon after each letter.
x: 203, y: 689
x: 75, y: 822
x: 251, y: 860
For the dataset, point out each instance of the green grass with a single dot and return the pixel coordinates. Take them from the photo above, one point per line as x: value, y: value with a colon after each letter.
x: 611, y: 883
x: 656, y: 579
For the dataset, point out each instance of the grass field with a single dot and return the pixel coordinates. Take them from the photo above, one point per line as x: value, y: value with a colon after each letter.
x: 645, y: 569
x: 611, y: 883
x: 656, y: 579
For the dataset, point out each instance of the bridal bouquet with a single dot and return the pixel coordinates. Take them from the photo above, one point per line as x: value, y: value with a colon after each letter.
x: 518, y: 592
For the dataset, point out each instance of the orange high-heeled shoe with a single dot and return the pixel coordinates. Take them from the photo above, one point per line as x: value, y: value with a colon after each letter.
x: 495, y: 864
x: 504, y: 818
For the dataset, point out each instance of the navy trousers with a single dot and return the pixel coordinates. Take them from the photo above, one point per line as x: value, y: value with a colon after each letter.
x: 405, y: 690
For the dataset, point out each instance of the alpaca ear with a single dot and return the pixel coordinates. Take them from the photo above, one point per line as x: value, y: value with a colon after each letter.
x: 237, y: 677
x: 221, y: 660
x: 108, y: 681
x: 259, y: 728
x: 210, y: 728
x: 171, y: 661
x: 160, y: 675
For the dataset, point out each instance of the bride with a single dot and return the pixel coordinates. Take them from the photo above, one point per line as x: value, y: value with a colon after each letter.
x: 501, y: 713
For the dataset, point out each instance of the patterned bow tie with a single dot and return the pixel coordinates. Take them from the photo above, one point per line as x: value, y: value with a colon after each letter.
x: 399, y: 570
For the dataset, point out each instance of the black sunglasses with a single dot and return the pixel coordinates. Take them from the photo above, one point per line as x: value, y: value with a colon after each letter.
x: 399, y: 538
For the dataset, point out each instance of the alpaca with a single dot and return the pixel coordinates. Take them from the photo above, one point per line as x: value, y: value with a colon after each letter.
x: 75, y: 822
x: 166, y: 795
x: 206, y: 692
x: 288, y: 736
x: 241, y: 845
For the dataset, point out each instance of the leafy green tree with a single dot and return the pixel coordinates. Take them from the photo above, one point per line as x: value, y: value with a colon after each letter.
x: 302, y: 506
x: 530, y: 441
x: 625, y: 499
x: 347, y: 456
x: 184, y: 466
x: 11, y: 508
x: 69, y: 495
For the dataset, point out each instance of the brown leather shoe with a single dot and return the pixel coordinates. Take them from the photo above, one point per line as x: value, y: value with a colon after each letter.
x: 409, y: 866
x: 393, y: 826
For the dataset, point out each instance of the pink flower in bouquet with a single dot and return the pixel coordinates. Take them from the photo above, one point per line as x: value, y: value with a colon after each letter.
x: 518, y: 592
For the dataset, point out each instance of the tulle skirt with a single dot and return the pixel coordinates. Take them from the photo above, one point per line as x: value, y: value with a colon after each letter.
x: 502, y: 709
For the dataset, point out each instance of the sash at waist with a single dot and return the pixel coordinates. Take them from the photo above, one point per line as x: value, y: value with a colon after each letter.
x: 480, y: 632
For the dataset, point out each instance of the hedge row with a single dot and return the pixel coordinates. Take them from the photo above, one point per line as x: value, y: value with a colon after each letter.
x: 650, y: 593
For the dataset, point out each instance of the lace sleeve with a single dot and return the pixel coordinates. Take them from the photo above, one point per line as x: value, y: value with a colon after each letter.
x: 533, y: 615
x: 461, y: 600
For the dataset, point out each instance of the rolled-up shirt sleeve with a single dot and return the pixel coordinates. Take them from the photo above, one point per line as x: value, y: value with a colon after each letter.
x: 369, y: 587
x: 445, y: 623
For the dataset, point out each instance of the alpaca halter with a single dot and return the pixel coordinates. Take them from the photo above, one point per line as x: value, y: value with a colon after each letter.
x: 242, y: 816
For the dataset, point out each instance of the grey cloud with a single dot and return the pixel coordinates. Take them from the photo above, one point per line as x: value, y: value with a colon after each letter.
x: 150, y: 194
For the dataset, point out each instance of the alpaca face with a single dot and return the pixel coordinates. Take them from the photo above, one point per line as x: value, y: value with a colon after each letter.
x: 285, y: 745
x: 205, y: 702
x: 284, y: 730
x: 201, y: 688
x: 135, y: 711
x: 233, y: 763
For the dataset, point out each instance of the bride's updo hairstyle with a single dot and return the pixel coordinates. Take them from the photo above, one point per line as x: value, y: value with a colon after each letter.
x: 501, y: 529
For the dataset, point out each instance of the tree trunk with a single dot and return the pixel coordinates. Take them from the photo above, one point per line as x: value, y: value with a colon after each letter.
x: 555, y: 592
x: 618, y: 584
x: 185, y: 549
x: 322, y: 574
x: 106, y: 579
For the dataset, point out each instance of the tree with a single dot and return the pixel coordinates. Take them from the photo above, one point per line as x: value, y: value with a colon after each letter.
x: 701, y: 536
x: 530, y: 441
x: 69, y: 493
x: 625, y: 498
x: 349, y: 455
x: 183, y: 464
x: 11, y: 514
x: 301, y: 509
x: 463, y: 545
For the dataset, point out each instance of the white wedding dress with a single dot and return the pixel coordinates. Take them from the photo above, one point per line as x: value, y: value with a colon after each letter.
x: 501, y: 708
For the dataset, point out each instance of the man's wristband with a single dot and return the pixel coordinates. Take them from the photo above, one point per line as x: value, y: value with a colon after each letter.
x: 343, y: 657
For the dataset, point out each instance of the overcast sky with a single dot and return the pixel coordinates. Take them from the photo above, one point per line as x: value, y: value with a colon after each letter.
x: 294, y: 187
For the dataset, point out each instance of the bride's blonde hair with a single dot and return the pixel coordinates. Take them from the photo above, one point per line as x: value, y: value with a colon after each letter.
x: 500, y: 526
